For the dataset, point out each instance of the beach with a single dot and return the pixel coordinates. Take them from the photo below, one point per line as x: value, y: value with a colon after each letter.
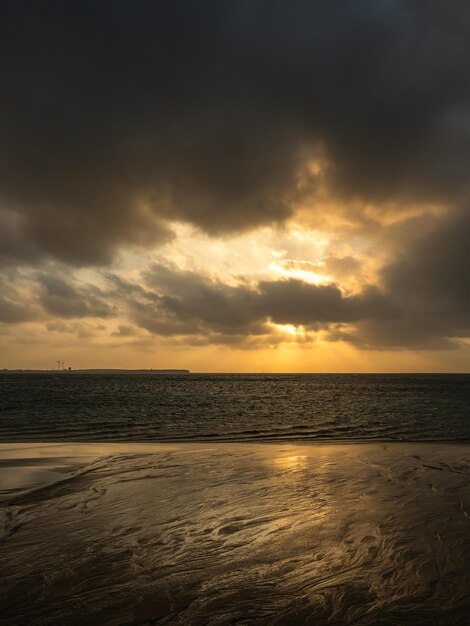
x: 235, y: 313
x: 197, y: 533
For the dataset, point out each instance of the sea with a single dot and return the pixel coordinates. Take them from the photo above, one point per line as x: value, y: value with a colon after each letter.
x: 63, y: 406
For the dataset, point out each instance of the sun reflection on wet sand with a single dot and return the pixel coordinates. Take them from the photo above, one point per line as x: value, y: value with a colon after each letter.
x: 210, y: 534
x: 291, y: 462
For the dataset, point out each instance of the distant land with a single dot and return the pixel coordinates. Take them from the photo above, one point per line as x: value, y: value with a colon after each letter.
x: 92, y: 371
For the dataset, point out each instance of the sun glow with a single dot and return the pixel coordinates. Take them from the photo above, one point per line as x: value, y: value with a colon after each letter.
x: 301, y: 274
x: 290, y: 331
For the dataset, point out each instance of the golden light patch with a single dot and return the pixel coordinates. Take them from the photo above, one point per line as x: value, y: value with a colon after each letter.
x: 290, y: 332
x: 309, y: 276
x: 290, y: 329
x: 291, y: 462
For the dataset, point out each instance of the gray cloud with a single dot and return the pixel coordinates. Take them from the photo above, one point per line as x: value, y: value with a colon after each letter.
x: 186, y: 303
x: 422, y: 304
x: 296, y: 302
x: 61, y: 298
x: 14, y: 312
x: 119, y: 116
x: 16, y: 303
x: 411, y: 311
x: 430, y: 283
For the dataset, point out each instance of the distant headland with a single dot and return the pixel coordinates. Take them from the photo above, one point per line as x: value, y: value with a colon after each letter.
x: 93, y: 371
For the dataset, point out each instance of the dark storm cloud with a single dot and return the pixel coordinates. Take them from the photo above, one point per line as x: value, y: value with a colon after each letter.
x: 430, y: 291
x: 15, y: 247
x: 300, y: 303
x: 117, y: 116
x: 430, y: 281
x: 176, y: 302
x: 186, y: 302
x: 421, y: 306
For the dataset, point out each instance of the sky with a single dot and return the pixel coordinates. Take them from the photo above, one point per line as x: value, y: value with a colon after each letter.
x: 235, y: 186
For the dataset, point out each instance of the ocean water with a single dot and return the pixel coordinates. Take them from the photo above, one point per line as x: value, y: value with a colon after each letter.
x: 233, y: 407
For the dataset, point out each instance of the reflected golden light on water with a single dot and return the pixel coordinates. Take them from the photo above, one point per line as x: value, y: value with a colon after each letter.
x: 292, y: 462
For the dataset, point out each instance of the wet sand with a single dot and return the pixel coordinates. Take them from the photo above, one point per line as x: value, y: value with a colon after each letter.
x: 235, y: 534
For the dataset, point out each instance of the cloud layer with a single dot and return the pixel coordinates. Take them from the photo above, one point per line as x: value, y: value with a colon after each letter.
x: 120, y: 120
x: 121, y: 116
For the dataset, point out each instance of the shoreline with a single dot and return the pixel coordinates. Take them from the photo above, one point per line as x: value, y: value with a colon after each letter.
x: 31, y: 464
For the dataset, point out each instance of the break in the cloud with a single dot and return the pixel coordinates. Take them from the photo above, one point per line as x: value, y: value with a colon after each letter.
x: 123, y: 122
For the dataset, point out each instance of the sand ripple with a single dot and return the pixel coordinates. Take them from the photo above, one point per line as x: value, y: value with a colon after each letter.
x: 257, y: 534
